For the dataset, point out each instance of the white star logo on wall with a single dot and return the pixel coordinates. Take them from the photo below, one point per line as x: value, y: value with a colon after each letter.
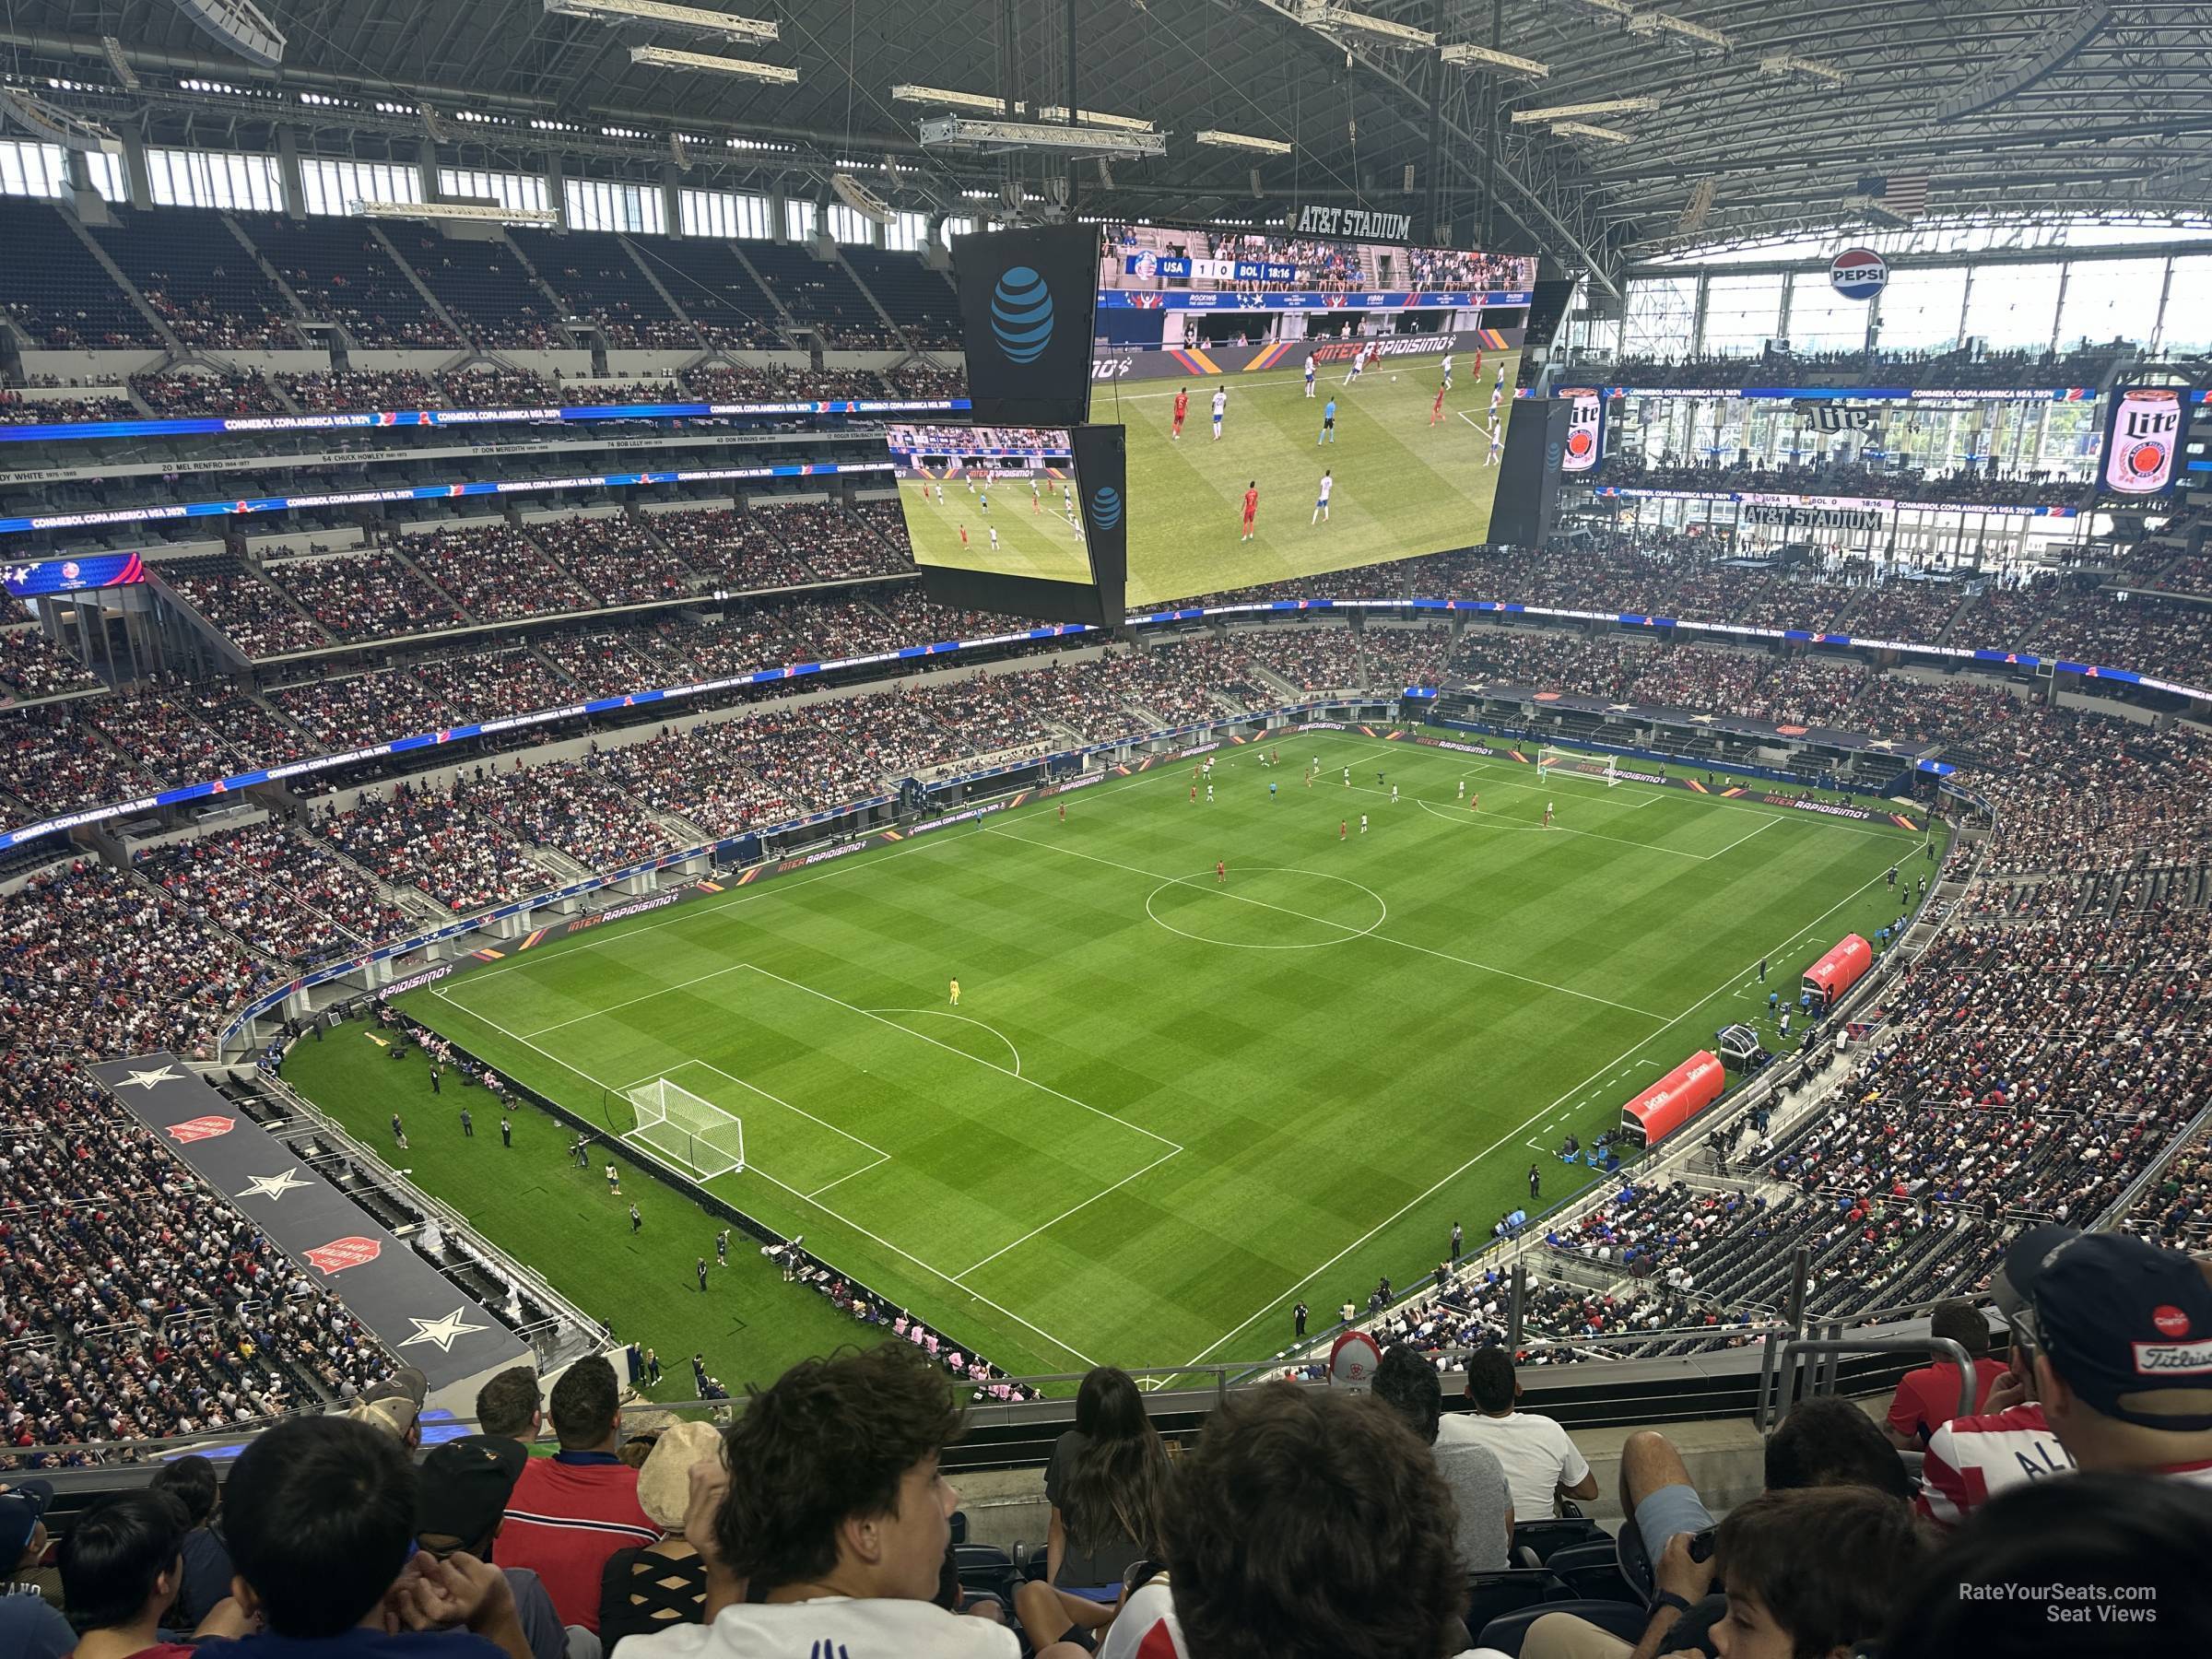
x: 443, y: 1331
x: 274, y: 1187
x: 146, y: 1079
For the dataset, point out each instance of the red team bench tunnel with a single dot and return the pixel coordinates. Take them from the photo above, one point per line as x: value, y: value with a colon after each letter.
x: 1676, y: 1098
x: 1838, y: 971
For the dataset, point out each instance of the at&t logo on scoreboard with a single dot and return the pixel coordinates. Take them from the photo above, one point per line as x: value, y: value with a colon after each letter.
x: 1858, y: 273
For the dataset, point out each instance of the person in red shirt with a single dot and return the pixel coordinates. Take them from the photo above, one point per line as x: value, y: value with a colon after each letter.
x: 1344, y: 827
x: 1220, y: 869
x: 1436, y: 409
x: 1928, y: 1398
x: 1182, y: 408
x: 1252, y: 508
x: 572, y: 1510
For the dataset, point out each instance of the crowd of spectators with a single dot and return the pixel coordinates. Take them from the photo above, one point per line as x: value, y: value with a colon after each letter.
x: 197, y: 394
x: 616, y: 560
x: 256, y: 617
x: 52, y: 759
x: 374, y: 596
x: 571, y: 806
x: 1959, y: 367
x: 279, y: 890
x: 137, y: 1303
x: 493, y: 573
x: 330, y: 392
x: 833, y: 544
x: 18, y: 410
x: 443, y: 842
x: 32, y: 666
x: 736, y: 551
x: 1984, y: 487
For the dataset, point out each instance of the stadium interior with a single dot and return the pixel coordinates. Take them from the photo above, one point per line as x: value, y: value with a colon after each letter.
x: 465, y: 634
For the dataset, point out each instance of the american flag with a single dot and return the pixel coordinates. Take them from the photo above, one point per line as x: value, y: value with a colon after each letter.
x: 1902, y: 196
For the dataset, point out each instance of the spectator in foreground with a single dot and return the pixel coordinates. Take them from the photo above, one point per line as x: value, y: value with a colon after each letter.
x: 1812, y: 1572
x: 571, y: 1511
x: 512, y: 1405
x: 461, y: 1493
x: 320, y: 1515
x: 121, y: 1568
x: 2136, y: 1545
x: 2122, y: 1335
x: 1107, y: 1483
x: 1307, y: 1524
x: 1823, y: 1444
x: 832, y: 1514
x: 1541, y: 1464
x: 2008, y: 1443
x: 661, y: 1584
x: 1928, y: 1398
x: 27, y: 1626
x: 192, y: 1482
x: 1406, y: 1383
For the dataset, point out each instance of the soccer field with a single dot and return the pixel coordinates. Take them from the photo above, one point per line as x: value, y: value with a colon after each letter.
x: 1037, y: 539
x: 1167, y: 1106
x: 1403, y: 484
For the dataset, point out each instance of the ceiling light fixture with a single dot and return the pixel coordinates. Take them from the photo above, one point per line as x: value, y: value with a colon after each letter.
x: 1468, y: 56
x: 668, y: 57
x: 659, y: 11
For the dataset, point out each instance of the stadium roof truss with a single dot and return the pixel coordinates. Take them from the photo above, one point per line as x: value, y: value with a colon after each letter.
x: 1769, y: 117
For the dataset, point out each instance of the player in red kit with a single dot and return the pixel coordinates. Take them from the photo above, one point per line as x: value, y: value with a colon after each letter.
x: 1436, y: 409
x: 1251, y: 509
x: 963, y: 536
x: 1220, y: 869
x: 1344, y: 827
x: 1182, y: 408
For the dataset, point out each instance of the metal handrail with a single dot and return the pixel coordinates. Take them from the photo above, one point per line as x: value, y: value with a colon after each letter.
x: 1780, y: 1362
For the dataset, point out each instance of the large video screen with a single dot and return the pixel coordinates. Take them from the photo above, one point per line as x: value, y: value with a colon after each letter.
x: 994, y: 499
x: 1296, y: 406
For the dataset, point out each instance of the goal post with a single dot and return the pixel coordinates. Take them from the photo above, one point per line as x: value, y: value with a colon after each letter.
x: 1553, y: 761
x: 679, y: 1128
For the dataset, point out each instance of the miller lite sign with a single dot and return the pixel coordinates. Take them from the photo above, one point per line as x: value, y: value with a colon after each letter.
x: 1584, y: 445
x: 2140, y: 446
x: 1858, y: 273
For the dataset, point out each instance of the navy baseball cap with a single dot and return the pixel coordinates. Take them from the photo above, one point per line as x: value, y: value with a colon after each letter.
x: 23, y: 1504
x: 2127, y: 1325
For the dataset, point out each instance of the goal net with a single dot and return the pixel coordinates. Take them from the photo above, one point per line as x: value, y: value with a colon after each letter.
x: 677, y: 1126
x: 1572, y: 764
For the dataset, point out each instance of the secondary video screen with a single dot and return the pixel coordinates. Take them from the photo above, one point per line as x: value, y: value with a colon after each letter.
x: 996, y: 500
x: 1296, y: 406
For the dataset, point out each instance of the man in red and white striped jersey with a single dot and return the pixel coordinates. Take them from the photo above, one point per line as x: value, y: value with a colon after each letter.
x: 1970, y: 1459
x: 2117, y: 1335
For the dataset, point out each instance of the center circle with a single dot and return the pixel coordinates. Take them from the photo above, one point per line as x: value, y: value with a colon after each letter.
x: 1267, y: 907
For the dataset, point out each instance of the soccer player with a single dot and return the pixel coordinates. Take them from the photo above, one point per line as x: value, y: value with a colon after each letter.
x: 1548, y: 815
x: 1221, y: 408
x: 1182, y: 408
x: 614, y: 1179
x: 963, y: 536
x: 1393, y: 795
x: 1436, y: 409
x: 1220, y: 869
x: 982, y: 496
x: 1363, y: 823
x: 1447, y: 371
x: 635, y: 1220
x: 1348, y: 777
x: 1063, y: 812
x: 994, y: 539
x: 1496, y: 443
x: 1474, y: 802
x: 940, y: 494
x: 1497, y: 395
x: 1209, y: 794
x: 1309, y: 374
x: 1193, y: 794
x: 1036, y: 497
x: 1358, y: 362
x: 1343, y: 829
x: 1461, y: 793
x: 1321, y: 508
x: 956, y: 992
x: 1271, y: 789
x: 1328, y: 424
x: 1252, y: 508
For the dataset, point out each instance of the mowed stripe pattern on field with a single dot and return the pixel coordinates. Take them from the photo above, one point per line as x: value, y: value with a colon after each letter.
x: 1313, y: 1091
x: 1402, y: 484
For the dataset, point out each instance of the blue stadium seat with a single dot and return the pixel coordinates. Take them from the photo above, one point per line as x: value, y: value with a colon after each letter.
x: 1494, y: 1594
x: 1547, y: 1535
x: 1505, y: 1631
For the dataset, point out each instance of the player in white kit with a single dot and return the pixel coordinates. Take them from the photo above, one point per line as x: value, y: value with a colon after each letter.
x: 1220, y: 406
x: 1321, y: 508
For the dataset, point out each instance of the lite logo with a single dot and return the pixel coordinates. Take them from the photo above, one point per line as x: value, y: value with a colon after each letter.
x: 1106, y: 507
x: 1021, y: 314
x: 2146, y: 427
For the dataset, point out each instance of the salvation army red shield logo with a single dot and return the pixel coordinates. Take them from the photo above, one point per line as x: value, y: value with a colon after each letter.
x: 341, y: 1253
x: 200, y: 1129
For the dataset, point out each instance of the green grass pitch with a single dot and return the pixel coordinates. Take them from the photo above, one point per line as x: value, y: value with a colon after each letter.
x: 1403, y: 485
x: 1166, y: 1107
x: 1036, y: 537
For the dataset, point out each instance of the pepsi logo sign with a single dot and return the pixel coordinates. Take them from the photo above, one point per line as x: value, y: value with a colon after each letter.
x: 1858, y: 273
